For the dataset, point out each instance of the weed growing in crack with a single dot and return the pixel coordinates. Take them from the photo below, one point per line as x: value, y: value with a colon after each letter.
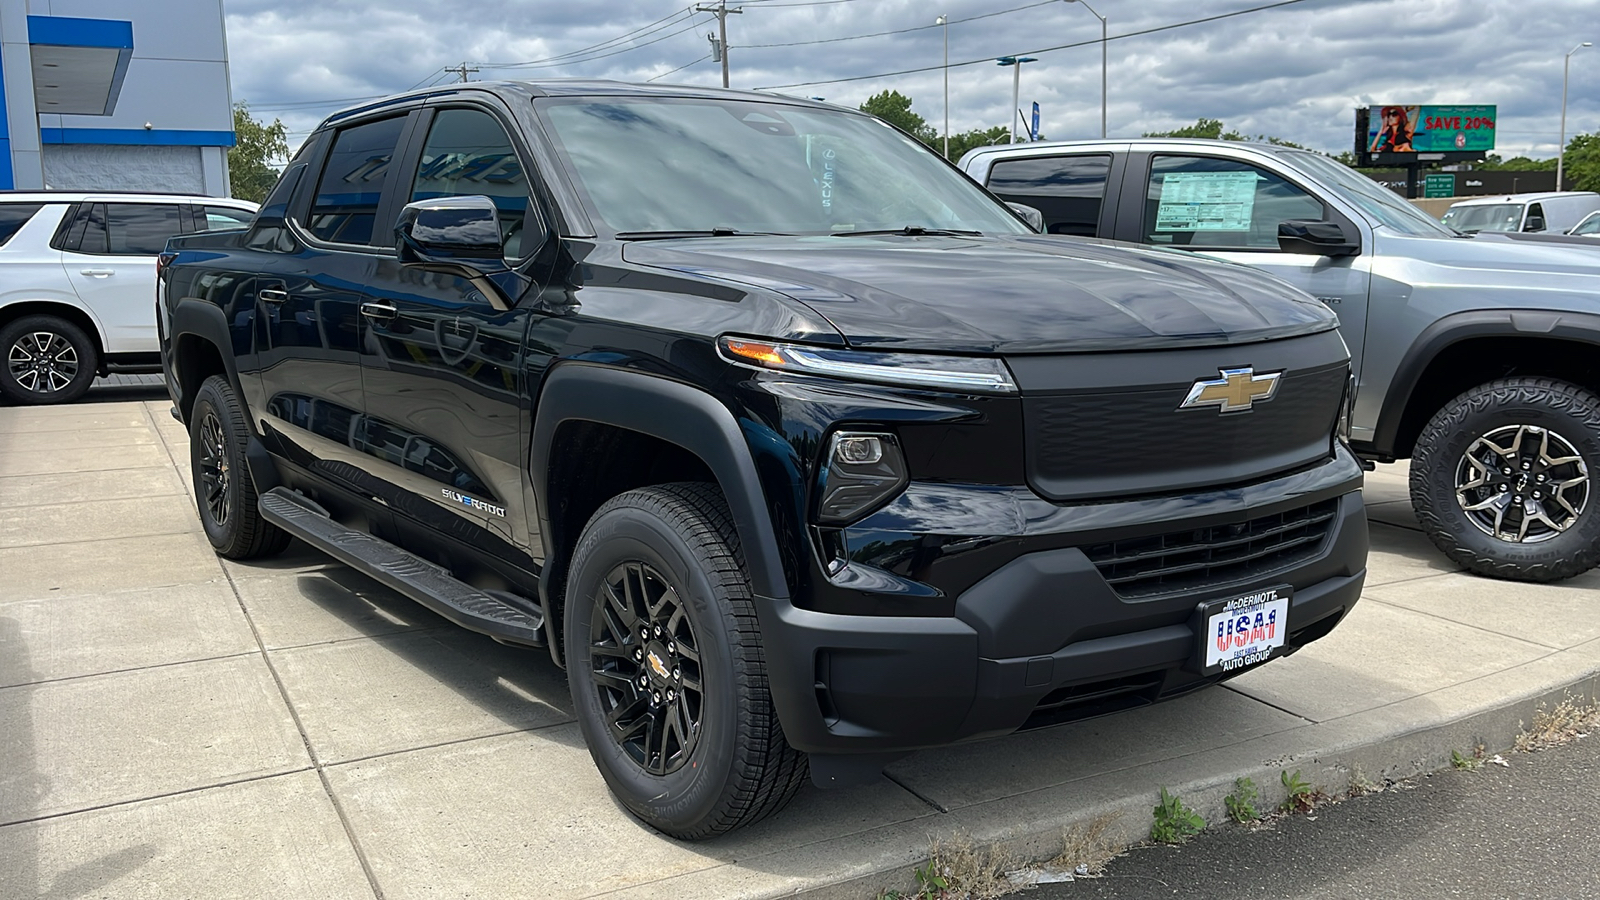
x: 1174, y: 822
x: 1241, y: 804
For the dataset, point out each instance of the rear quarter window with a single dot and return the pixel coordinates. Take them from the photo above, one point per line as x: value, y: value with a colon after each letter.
x: 15, y: 215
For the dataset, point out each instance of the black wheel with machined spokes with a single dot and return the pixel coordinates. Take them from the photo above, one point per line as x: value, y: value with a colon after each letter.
x: 1502, y: 479
x: 46, y: 360
x: 1522, y: 484
x: 646, y: 665
x: 224, y: 493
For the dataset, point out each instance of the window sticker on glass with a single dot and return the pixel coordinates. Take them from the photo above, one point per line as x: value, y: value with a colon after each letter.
x: 1206, y: 201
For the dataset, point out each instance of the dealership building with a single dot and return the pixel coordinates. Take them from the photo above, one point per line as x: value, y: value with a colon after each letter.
x: 114, y: 95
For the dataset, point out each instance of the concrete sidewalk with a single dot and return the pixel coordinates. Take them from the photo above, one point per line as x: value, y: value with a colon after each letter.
x: 172, y: 725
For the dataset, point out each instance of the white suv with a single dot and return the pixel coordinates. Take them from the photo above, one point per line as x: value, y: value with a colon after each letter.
x: 77, y: 283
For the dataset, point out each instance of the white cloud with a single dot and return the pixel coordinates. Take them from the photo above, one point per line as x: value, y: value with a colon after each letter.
x: 1295, y: 72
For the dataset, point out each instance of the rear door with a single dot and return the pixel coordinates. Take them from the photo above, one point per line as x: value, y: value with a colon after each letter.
x: 110, y: 258
x: 443, y: 366
x: 309, y: 299
x: 1068, y: 189
x: 1231, y: 208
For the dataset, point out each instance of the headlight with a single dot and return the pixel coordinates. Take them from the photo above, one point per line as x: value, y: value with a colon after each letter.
x: 961, y: 374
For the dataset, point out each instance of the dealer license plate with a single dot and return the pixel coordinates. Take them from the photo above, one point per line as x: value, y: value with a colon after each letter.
x: 1245, y: 630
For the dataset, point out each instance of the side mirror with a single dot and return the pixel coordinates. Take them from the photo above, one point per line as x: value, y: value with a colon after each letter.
x: 1316, y: 237
x: 1534, y: 223
x: 461, y: 231
x: 1033, y: 217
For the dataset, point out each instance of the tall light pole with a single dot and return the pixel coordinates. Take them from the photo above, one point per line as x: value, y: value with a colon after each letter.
x: 1561, y: 151
x: 945, y: 21
x: 1102, y: 62
x: 1016, y: 87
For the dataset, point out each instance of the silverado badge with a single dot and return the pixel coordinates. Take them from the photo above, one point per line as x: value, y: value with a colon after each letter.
x: 1235, y: 391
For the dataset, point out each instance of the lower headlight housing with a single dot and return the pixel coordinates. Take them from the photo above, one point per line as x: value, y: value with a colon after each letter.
x: 862, y: 471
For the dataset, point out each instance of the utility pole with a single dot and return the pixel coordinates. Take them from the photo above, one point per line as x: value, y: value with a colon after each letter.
x: 721, y: 11
x: 461, y: 70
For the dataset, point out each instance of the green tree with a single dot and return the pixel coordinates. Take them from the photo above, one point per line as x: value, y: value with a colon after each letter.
x: 895, y: 108
x: 1581, y: 165
x: 963, y: 141
x: 1492, y: 162
x: 250, y: 171
x: 1202, y: 128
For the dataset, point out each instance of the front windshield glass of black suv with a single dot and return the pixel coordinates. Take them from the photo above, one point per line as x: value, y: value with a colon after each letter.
x: 1375, y: 200
x: 680, y: 165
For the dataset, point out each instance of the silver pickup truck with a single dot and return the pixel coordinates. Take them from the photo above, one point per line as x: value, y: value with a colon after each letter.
x: 1476, y: 356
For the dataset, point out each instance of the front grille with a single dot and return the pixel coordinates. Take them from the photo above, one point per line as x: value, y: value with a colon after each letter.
x: 1221, y: 554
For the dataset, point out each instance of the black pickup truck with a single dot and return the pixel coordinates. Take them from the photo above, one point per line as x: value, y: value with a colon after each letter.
x: 797, y: 449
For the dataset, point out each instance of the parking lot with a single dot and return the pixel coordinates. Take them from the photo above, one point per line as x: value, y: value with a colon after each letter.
x: 174, y: 725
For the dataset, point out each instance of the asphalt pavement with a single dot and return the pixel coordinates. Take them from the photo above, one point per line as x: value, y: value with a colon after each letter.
x: 175, y: 725
x: 1527, y: 829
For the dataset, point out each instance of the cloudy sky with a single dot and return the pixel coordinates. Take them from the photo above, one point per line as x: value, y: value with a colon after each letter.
x: 1295, y: 71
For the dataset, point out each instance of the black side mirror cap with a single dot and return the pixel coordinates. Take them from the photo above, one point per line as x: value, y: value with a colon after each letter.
x: 1033, y: 217
x: 1316, y: 237
x: 462, y: 231
x: 1534, y: 223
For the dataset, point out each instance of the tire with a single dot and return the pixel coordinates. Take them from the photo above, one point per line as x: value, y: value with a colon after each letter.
x: 46, y: 359
x: 224, y: 493
x: 731, y: 765
x: 1553, y: 532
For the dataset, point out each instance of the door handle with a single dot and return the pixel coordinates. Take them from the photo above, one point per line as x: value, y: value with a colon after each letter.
x: 379, y: 310
x: 272, y: 295
x: 98, y: 273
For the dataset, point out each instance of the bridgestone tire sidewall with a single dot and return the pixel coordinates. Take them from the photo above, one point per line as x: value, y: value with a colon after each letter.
x: 674, y: 802
x: 88, y: 360
x: 1570, y: 412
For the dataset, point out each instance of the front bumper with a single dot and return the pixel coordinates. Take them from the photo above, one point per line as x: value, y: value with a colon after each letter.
x: 1043, y: 638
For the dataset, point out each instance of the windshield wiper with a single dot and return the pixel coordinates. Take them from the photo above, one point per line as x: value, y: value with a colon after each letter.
x: 711, y: 232
x: 907, y: 231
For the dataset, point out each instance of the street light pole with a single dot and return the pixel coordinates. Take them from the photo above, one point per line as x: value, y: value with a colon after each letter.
x: 1103, y: 65
x: 1016, y: 87
x: 1561, y: 151
x: 945, y: 21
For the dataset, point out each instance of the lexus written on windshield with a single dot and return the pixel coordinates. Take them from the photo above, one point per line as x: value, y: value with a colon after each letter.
x: 794, y: 447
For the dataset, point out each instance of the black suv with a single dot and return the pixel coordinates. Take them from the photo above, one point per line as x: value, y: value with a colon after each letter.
x: 793, y: 445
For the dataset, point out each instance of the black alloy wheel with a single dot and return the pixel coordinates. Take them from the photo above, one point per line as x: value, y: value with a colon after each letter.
x: 666, y: 666
x: 47, y: 360
x: 1502, y: 479
x: 224, y: 493
x: 646, y: 665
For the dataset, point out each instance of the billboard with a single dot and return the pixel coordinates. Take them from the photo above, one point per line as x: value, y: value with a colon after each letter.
x: 1429, y: 129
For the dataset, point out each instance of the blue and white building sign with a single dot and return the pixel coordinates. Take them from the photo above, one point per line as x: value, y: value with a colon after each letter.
x: 114, y: 95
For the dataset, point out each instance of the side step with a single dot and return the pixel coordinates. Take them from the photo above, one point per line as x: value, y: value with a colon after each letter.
x: 411, y: 575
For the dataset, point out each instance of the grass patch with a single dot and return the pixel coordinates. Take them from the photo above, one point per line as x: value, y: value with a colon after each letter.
x: 1572, y: 718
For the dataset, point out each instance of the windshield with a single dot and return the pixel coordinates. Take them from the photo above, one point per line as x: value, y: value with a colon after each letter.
x: 649, y: 165
x: 1591, y: 225
x: 1490, y: 217
x: 1374, y: 200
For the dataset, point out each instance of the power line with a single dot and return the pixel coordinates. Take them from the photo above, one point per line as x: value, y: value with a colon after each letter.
x: 990, y: 59
x: 461, y: 70
x: 572, y: 62
x: 641, y: 31
x: 682, y: 67
x: 857, y: 37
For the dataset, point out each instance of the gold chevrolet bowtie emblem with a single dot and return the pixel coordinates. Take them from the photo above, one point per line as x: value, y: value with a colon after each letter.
x: 1235, y: 391
x: 656, y: 665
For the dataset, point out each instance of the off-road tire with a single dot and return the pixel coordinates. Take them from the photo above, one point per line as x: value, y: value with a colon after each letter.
x: 233, y: 523
x: 1566, y: 409
x: 741, y: 769
x: 64, y: 336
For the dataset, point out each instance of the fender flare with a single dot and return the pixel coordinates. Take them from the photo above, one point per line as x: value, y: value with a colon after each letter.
x: 205, y: 320
x: 1565, y: 325
x: 670, y: 411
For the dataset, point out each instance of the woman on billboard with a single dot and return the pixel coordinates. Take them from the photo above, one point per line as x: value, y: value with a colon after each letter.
x: 1394, y: 135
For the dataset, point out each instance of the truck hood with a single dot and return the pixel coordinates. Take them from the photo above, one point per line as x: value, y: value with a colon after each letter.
x: 1023, y: 294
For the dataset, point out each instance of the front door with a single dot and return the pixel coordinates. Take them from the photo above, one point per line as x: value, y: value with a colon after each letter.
x: 443, y: 366
x: 1231, y: 209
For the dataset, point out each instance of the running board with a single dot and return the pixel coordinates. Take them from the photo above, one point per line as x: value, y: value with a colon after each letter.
x: 407, y: 573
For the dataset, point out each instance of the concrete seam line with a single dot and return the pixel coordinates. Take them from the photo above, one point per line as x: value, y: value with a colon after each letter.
x: 161, y: 796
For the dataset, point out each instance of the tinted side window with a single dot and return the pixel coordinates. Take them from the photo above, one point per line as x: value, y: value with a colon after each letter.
x: 213, y: 217
x: 89, y: 233
x: 346, y: 204
x: 468, y: 153
x: 1535, y: 211
x: 1067, y: 189
x: 138, y: 228
x: 1201, y: 202
x: 13, y: 216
